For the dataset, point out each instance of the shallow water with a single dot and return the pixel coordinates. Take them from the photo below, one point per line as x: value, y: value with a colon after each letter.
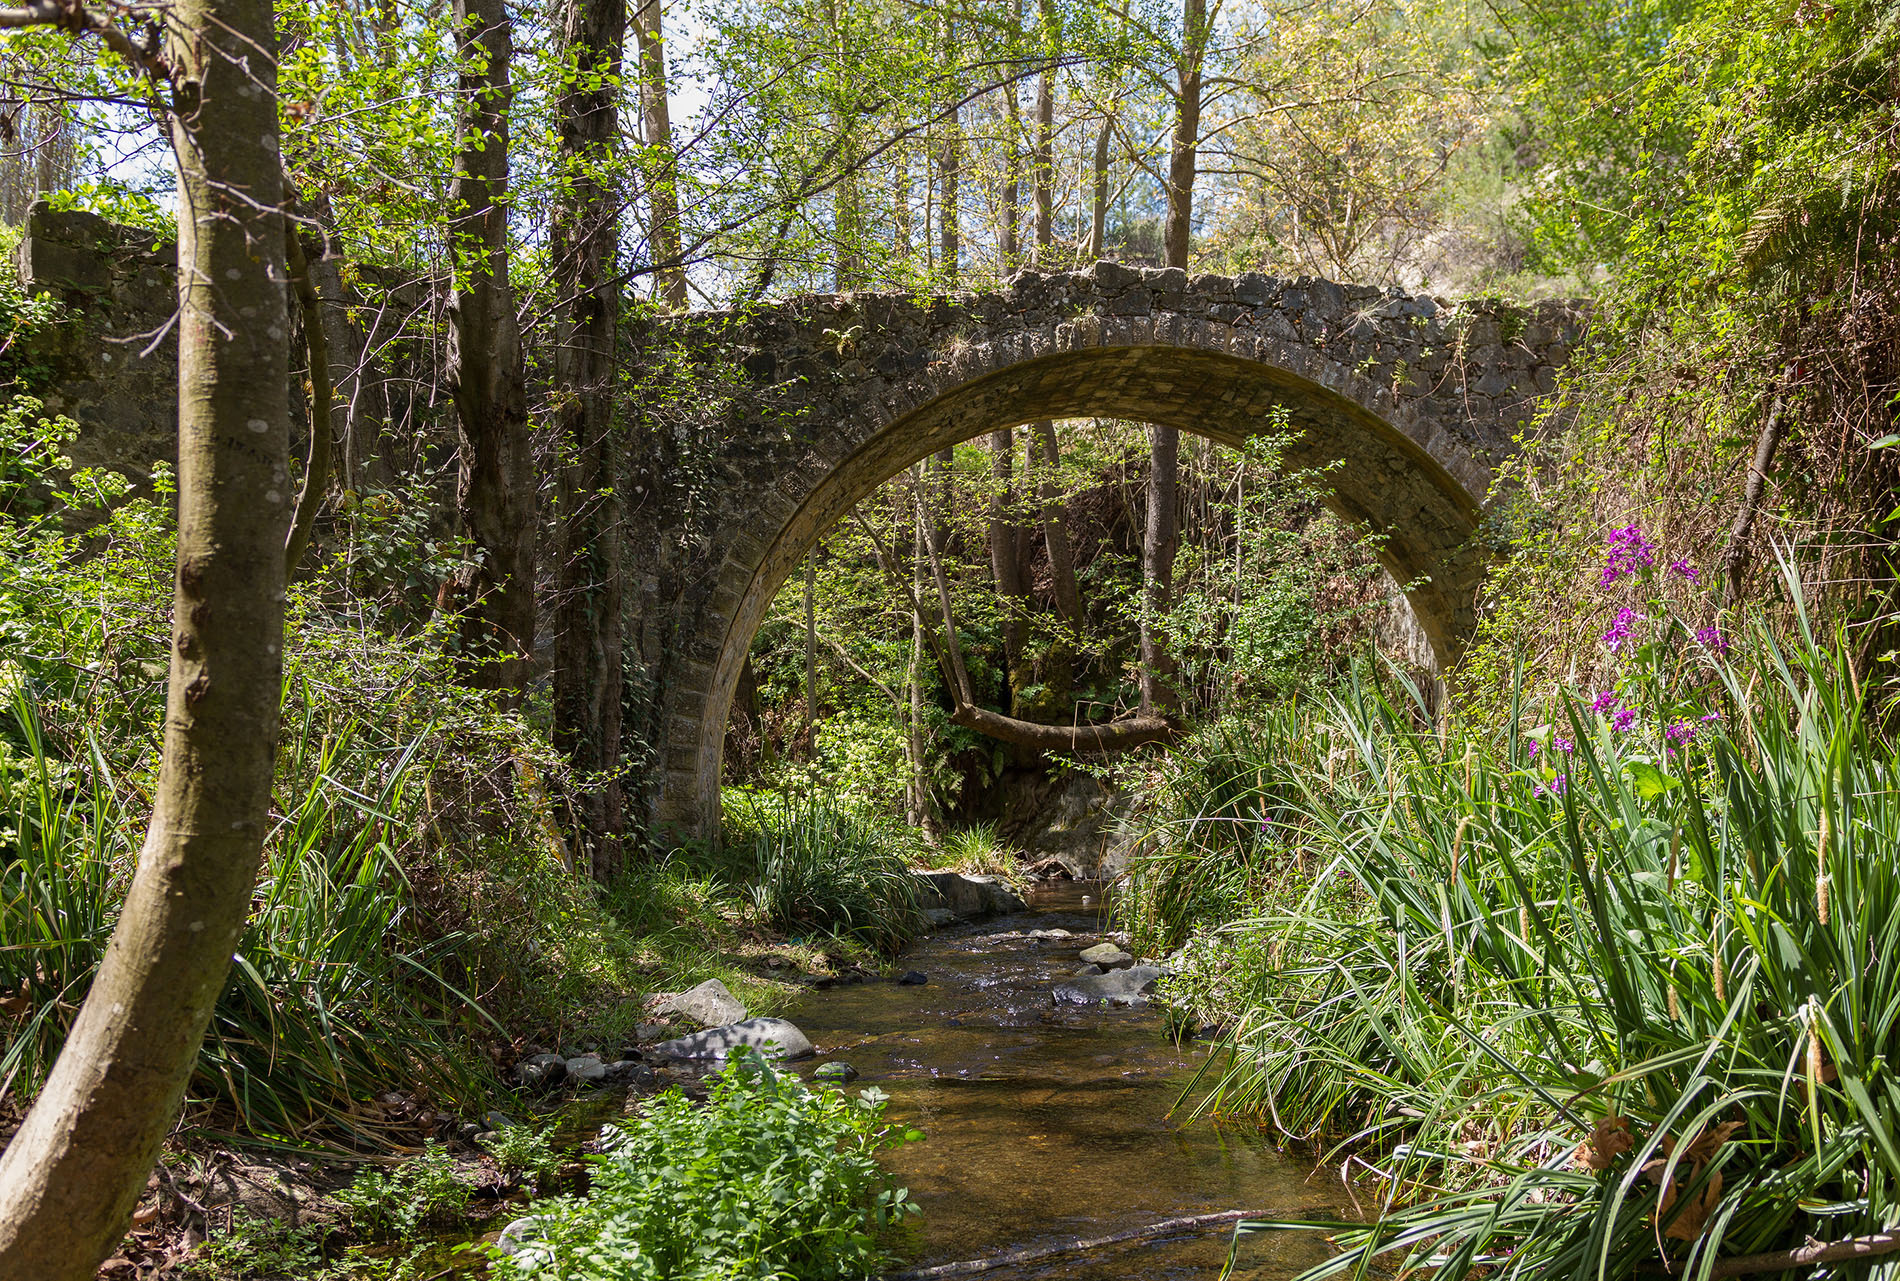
x: 1048, y: 1122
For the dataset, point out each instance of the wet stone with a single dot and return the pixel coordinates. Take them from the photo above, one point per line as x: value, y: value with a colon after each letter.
x: 774, y: 1038
x: 913, y: 978
x: 836, y: 1070
x: 1118, y: 987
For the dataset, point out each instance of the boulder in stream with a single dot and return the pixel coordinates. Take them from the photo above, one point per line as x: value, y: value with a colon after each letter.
x: 1106, y: 955
x: 541, y: 1070
x: 836, y: 1070
x: 913, y: 978
x: 1117, y: 987
x: 586, y: 1069
x: 969, y: 897
x: 709, y: 1005
x: 774, y: 1038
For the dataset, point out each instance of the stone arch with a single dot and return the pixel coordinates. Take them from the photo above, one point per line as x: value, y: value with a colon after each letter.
x: 882, y: 382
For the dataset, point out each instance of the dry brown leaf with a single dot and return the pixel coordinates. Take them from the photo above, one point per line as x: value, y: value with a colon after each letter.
x: 1610, y: 1139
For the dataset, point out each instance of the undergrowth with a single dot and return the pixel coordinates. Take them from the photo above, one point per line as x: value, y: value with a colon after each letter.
x: 771, y: 1179
x: 1609, y: 989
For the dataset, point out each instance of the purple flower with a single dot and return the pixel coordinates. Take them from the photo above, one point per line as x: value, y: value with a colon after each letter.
x: 1623, y: 719
x: 1605, y: 702
x: 1622, y: 628
x: 1556, y: 787
x: 1626, y: 552
x: 1531, y: 747
x: 1685, y: 569
x: 1564, y: 745
x: 1712, y: 637
x: 1679, y: 733
x: 1712, y: 716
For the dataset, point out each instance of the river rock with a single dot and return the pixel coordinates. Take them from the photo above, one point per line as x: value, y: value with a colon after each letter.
x: 938, y: 917
x: 498, y: 1121
x: 1117, y: 987
x: 541, y: 1070
x: 774, y: 1038
x: 913, y: 978
x: 1088, y: 971
x: 1107, y: 955
x: 1051, y: 936
x: 969, y: 897
x: 709, y: 1005
x: 836, y: 1070
x: 587, y: 1069
x: 519, y: 1235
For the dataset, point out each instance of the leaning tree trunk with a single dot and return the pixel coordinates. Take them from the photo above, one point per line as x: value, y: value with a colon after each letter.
x: 493, y: 595
x: 587, y: 679
x: 73, y: 1173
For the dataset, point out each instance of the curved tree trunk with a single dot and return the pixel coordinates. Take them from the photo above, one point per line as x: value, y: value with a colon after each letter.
x: 1115, y: 736
x: 75, y: 1170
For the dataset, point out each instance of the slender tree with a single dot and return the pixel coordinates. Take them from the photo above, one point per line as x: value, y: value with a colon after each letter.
x: 73, y: 1173
x: 493, y: 592
x: 588, y: 676
x: 1161, y: 535
x: 662, y: 163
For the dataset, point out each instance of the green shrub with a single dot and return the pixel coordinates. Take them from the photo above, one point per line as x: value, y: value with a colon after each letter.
x: 979, y: 850
x: 523, y: 1154
x: 815, y: 865
x: 772, y: 1179
x: 425, y: 1190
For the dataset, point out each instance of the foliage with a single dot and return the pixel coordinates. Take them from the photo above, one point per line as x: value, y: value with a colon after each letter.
x: 770, y: 1179
x: 424, y: 1190
x: 978, y: 849
x: 817, y: 865
x: 1613, y: 984
x: 523, y: 1154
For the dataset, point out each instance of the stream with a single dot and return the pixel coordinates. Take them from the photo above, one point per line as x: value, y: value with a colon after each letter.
x: 1049, y: 1122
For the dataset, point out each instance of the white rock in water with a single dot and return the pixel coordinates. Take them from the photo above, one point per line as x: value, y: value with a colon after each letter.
x: 774, y: 1038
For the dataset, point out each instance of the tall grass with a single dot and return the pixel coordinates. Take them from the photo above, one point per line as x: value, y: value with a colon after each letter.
x: 814, y: 864
x: 1644, y: 1018
x: 332, y: 992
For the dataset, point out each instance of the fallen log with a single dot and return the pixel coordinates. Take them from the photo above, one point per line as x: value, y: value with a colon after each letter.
x: 1028, y: 1254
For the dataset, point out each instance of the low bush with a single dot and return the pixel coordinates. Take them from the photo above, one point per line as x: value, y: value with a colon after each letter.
x: 813, y: 864
x: 979, y: 850
x: 772, y: 1180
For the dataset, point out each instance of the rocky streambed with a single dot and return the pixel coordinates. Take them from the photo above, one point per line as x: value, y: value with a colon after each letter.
x: 1047, y: 1091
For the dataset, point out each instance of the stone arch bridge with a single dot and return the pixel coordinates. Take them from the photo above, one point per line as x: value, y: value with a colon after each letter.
x: 813, y: 403
x: 797, y: 411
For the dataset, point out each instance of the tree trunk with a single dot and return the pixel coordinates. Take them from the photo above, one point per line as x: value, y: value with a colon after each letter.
x: 73, y: 1173
x: 663, y: 165
x: 949, y: 172
x: 493, y: 594
x: 811, y: 654
x: 1098, y: 222
x: 1161, y: 536
x: 317, y: 463
x: 1055, y: 526
x: 1045, y: 160
x: 1006, y: 550
x: 587, y: 676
